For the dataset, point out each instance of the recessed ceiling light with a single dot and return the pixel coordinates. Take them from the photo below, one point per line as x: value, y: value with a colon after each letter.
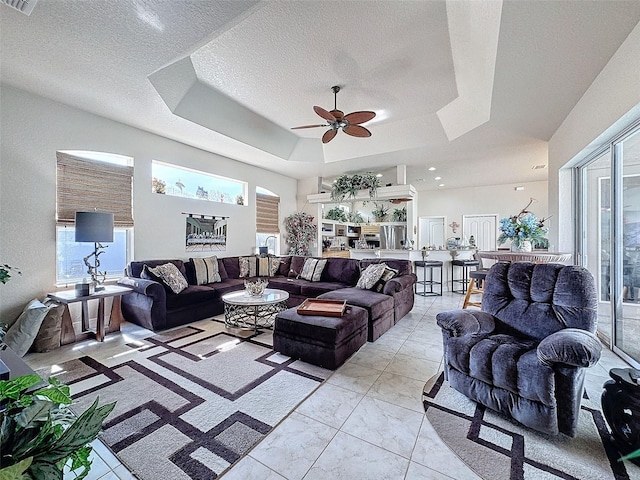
x: 518, y: 188
x: 431, y: 169
x: 379, y: 175
x: 441, y: 185
x: 419, y: 179
x: 438, y: 178
x: 538, y: 167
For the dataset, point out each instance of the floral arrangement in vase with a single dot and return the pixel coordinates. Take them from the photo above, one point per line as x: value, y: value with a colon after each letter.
x: 301, y: 231
x: 523, y: 230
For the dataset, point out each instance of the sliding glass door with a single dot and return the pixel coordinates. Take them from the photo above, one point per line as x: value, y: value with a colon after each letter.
x: 627, y: 325
x: 609, y: 239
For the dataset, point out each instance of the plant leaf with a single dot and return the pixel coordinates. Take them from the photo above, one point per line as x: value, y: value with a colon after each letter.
x: 16, y: 471
x: 12, y: 388
x: 631, y: 455
x: 38, y: 410
x: 83, y: 431
x: 56, y: 392
x: 40, y: 470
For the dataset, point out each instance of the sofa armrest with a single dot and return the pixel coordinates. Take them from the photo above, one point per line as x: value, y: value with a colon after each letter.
x: 465, y: 322
x: 397, y: 284
x: 570, y: 346
x: 145, y: 287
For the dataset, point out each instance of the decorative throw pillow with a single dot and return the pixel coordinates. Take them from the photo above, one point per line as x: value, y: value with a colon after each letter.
x: 48, y: 337
x: 284, y: 266
x: 21, y: 334
x: 267, y: 266
x: 387, y: 274
x: 247, y: 267
x: 370, y: 276
x: 170, y: 276
x: 206, y: 270
x: 312, y: 269
x: 295, y: 266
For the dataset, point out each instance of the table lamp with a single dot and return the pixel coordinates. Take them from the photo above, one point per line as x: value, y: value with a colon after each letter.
x: 94, y: 227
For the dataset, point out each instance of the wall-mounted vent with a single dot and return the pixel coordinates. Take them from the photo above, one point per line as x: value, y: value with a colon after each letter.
x: 24, y: 6
x: 538, y: 167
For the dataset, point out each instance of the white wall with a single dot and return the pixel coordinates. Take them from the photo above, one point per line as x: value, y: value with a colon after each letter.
x: 610, y: 104
x: 502, y: 200
x: 33, y: 128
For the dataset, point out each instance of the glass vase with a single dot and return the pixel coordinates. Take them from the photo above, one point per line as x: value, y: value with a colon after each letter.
x: 524, y: 246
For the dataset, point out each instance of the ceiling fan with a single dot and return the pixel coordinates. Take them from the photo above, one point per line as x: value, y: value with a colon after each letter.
x: 336, y: 119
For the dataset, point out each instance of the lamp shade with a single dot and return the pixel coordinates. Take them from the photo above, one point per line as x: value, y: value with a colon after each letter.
x: 94, y: 227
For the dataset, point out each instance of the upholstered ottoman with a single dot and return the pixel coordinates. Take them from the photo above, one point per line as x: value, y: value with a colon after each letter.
x: 379, y: 306
x: 323, y: 341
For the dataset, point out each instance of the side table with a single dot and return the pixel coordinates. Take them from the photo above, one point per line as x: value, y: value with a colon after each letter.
x: 70, y: 296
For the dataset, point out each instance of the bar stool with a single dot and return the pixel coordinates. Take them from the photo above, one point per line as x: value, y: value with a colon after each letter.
x: 476, y: 287
x: 465, y: 265
x: 430, y: 265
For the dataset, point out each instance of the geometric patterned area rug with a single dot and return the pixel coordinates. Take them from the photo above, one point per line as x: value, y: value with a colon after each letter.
x: 497, y: 448
x: 190, y: 401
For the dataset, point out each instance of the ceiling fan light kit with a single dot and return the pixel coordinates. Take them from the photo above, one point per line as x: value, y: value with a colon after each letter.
x: 336, y: 119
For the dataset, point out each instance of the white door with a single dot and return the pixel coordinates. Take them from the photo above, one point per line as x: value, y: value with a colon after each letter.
x: 484, y: 229
x: 431, y: 231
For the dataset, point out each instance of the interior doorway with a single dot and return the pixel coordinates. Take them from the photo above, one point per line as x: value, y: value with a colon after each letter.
x: 432, y: 232
x: 484, y: 228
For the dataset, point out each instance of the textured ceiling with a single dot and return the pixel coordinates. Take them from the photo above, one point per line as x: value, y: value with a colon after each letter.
x: 474, y: 89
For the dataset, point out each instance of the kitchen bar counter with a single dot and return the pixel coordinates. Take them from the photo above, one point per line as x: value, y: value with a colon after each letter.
x: 444, y: 256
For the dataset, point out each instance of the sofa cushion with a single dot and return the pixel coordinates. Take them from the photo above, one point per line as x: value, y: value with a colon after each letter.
x: 312, y: 269
x: 247, y: 267
x: 387, y: 275
x: 370, y: 276
x: 222, y: 270
x: 205, y: 270
x: 284, y: 266
x: 135, y: 268
x: 342, y: 270
x: 191, y: 295
x: 404, y: 267
x: 295, y: 268
x: 312, y: 290
x: 228, y: 285
x: 290, y: 285
x: 320, y: 329
x: 377, y: 304
x: 232, y: 266
x: 267, y: 266
x: 168, y: 275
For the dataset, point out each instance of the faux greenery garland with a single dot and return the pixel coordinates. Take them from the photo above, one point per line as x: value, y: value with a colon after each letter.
x: 301, y: 231
x: 349, y: 185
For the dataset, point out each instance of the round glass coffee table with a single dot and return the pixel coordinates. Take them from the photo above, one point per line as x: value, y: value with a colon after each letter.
x: 253, y: 311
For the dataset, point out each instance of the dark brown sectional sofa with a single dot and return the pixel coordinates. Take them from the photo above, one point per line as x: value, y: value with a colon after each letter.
x: 152, y: 306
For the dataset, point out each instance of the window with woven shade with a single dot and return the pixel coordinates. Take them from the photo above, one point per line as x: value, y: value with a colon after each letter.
x: 87, y: 182
x: 267, y: 211
x: 87, y: 185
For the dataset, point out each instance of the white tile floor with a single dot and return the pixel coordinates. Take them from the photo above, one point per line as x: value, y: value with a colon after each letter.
x: 366, y: 421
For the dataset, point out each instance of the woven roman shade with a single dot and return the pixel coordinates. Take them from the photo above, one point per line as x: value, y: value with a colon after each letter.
x: 85, y: 185
x: 267, y: 208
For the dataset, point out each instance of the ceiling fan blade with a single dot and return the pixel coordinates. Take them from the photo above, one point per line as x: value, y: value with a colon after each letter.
x: 324, y: 114
x: 328, y: 135
x: 356, y: 131
x: 339, y: 114
x: 309, y: 126
x: 359, y: 117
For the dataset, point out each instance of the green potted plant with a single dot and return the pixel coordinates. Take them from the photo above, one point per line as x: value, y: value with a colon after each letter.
x: 355, y: 217
x: 336, y: 213
x: 380, y: 212
x: 39, y: 434
x: 349, y: 186
x: 400, y: 214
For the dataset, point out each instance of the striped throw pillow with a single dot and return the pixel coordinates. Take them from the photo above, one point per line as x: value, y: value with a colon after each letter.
x: 206, y: 270
x: 312, y: 269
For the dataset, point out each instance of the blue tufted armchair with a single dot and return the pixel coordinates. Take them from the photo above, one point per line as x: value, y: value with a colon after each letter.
x: 524, y: 353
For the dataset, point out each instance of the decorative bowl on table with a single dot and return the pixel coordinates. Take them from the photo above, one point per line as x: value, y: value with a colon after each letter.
x: 255, y: 288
